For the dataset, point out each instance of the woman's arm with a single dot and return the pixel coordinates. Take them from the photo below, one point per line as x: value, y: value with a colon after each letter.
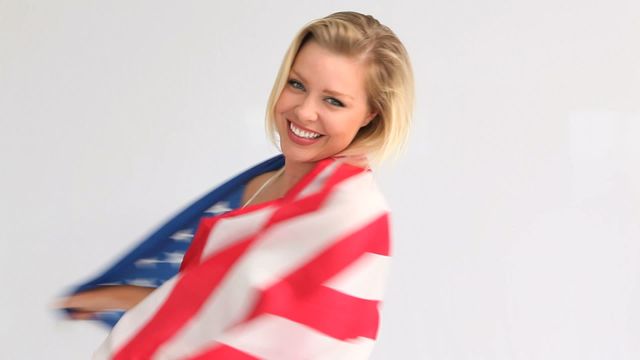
x: 85, y: 304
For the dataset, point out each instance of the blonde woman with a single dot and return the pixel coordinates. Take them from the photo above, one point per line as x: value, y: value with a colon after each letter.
x: 286, y: 260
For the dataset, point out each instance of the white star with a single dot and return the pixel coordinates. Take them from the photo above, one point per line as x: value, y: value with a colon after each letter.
x: 182, y: 235
x: 174, y: 258
x: 219, y: 207
x: 142, y: 282
x: 147, y: 262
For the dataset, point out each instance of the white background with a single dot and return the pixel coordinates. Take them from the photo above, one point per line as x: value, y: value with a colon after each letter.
x: 516, y: 207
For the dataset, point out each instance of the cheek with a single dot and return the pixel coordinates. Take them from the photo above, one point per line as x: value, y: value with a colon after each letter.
x: 278, y: 108
x: 284, y: 102
x: 347, y: 125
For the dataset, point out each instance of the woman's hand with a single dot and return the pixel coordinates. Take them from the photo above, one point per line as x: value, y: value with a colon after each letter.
x: 359, y: 160
x: 85, y: 304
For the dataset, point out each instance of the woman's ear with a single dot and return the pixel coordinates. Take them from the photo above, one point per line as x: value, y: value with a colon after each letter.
x: 368, y: 119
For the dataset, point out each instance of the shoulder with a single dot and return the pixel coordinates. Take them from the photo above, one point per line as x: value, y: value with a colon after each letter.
x: 357, y: 193
x: 358, y: 160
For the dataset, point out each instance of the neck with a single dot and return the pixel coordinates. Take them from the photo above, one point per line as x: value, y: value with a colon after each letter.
x: 293, y: 172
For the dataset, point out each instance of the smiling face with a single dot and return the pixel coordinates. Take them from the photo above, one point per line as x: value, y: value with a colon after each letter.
x: 322, y: 105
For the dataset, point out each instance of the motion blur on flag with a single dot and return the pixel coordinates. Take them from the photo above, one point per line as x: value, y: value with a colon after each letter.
x: 299, y: 277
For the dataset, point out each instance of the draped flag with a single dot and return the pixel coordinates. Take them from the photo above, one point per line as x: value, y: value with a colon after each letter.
x: 158, y: 257
x: 300, y: 277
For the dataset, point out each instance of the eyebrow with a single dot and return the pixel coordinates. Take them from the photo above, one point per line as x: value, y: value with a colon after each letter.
x: 328, y: 91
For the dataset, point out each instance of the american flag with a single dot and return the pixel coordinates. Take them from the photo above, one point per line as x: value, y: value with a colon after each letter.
x: 157, y: 257
x: 300, y: 277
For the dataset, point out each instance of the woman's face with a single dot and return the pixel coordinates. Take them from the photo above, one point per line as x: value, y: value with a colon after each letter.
x: 322, y: 106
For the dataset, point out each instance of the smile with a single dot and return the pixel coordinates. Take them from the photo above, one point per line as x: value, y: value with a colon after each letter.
x: 301, y: 136
x: 303, y: 133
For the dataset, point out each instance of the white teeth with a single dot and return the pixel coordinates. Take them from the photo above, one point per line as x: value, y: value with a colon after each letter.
x: 303, y: 133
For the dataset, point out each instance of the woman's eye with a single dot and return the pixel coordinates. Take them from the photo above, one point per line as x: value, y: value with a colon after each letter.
x: 296, y: 84
x: 335, y: 102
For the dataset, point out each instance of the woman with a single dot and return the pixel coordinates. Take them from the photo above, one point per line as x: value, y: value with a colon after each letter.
x: 305, y: 243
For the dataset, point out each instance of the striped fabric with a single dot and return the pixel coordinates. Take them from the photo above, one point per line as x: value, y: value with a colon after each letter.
x: 299, y: 277
x: 158, y: 256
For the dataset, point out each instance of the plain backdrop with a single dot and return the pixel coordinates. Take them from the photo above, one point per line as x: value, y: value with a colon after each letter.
x: 515, y: 208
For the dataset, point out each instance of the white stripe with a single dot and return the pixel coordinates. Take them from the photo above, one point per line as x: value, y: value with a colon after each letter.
x: 134, y: 319
x: 228, y: 304
x: 273, y: 337
x: 286, y: 246
x: 289, y: 245
x: 317, y: 182
x: 229, y: 230
x: 364, y: 278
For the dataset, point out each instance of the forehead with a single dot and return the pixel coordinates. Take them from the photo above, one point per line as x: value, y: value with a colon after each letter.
x: 321, y: 67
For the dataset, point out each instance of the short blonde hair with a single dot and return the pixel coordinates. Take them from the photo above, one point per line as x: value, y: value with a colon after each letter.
x: 389, y: 80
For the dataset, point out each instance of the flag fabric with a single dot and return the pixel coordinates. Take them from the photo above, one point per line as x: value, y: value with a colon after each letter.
x: 157, y: 258
x: 300, y: 277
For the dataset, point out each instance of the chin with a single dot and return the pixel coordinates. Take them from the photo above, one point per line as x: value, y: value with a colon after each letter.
x: 296, y: 155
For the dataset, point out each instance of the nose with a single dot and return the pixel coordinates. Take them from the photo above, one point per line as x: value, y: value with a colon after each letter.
x: 306, y: 109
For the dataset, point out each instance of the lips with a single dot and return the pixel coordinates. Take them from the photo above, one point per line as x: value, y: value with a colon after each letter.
x: 308, y: 133
x: 300, y: 140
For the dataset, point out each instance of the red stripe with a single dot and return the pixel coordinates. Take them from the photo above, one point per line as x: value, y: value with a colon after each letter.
x: 312, y: 202
x: 287, y: 210
x: 308, y: 178
x: 331, y: 312
x: 373, y: 238
x: 195, y: 249
x: 302, y: 290
x: 194, y: 252
x: 302, y: 298
x: 191, y: 291
x: 197, y: 284
x: 344, y: 171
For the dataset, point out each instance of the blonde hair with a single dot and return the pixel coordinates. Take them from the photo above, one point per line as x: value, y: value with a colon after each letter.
x: 389, y: 80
